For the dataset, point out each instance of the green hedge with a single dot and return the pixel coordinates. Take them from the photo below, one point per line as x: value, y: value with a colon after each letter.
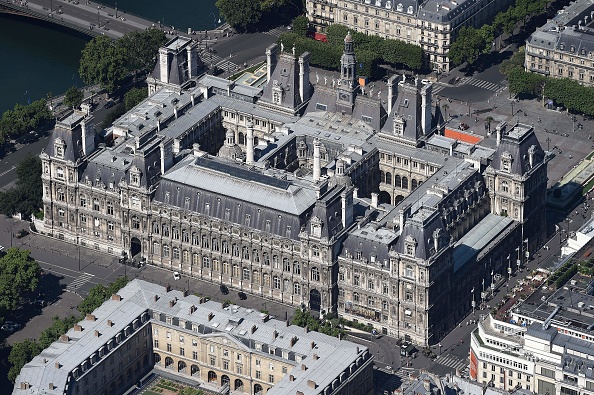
x: 370, y: 51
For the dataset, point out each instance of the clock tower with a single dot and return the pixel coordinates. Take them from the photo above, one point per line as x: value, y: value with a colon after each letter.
x: 347, y: 82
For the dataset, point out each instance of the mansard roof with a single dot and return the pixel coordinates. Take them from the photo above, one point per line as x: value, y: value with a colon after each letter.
x: 518, y: 144
x: 228, y: 179
x: 67, y: 131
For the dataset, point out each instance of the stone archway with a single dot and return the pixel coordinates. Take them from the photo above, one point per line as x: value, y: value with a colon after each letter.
x: 169, y: 363
x: 225, y: 380
x: 398, y: 199
x: 157, y: 359
x: 315, y: 300
x: 212, y: 377
x: 238, y: 385
x: 258, y: 390
x: 384, y: 197
x: 135, y: 247
x: 181, y: 367
x: 195, y: 370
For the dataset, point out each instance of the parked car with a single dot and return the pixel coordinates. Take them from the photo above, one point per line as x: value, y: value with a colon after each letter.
x: 109, y: 104
x: 21, y: 233
x: 242, y: 295
x: 224, y: 289
x: 10, y: 326
x: 176, y: 276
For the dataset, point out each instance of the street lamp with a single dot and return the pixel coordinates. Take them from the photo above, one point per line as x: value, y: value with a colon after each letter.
x: 527, y: 253
x: 548, y: 140
x: 492, y: 282
x: 509, y: 271
x: 483, y: 295
x: 473, y: 303
x: 518, y: 261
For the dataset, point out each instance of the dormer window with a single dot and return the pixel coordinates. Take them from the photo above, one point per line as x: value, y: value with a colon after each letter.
x: 506, y: 161
x: 410, y: 245
x: 398, y: 126
x: 316, y: 227
x: 135, y: 176
x: 59, y: 148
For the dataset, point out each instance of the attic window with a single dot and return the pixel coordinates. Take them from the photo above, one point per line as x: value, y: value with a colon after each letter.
x: 367, y: 119
x: 321, y: 107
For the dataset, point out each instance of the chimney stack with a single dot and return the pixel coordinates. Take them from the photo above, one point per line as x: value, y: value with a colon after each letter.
x: 317, y: 170
x: 304, y: 90
x: 164, y: 65
x: 249, y: 144
x: 374, y: 199
x: 426, y: 93
x: 391, y: 83
x: 271, y: 52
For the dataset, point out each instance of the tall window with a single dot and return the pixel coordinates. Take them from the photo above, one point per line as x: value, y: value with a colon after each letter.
x: 296, y: 267
x: 110, y: 208
x: 297, y: 289
x: 315, y: 274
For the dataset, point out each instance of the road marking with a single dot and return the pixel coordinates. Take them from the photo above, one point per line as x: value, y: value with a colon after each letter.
x: 8, y: 171
x: 79, y: 282
x: 451, y: 362
x: 480, y: 83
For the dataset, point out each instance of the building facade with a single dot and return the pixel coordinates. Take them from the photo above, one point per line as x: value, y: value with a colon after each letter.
x: 432, y: 25
x: 276, y: 192
x: 218, y: 349
x: 546, y: 346
x: 564, y: 46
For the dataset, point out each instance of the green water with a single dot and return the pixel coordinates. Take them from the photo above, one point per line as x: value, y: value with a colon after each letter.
x: 39, y: 58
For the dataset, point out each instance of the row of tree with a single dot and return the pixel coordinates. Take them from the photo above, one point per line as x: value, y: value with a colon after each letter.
x: 23, y: 118
x: 252, y: 15
x: 26, y: 196
x: 472, y: 42
x: 370, y: 51
x: 107, y: 62
x: 23, y: 352
x: 563, y: 91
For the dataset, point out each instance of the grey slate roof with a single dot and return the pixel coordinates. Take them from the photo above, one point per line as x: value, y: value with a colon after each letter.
x: 68, y: 130
x: 473, y: 242
x: 285, y: 77
x: 517, y: 143
x: 234, y: 322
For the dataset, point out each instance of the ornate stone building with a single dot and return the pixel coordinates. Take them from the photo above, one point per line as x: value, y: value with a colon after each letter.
x: 433, y: 25
x: 307, y: 195
x: 564, y: 46
x: 217, y: 349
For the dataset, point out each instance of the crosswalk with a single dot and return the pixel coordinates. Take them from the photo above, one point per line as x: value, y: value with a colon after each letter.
x: 276, y: 32
x: 451, y: 362
x: 79, y: 282
x: 479, y: 83
x: 438, y: 87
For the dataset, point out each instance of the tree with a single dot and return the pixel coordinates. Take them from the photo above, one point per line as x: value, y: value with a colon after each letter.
x: 142, y: 49
x: 103, y: 62
x: 134, y: 96
x: 19, y: 273
x: 73, y: 97
x: 300, y: 25
x: 25, y: 197
x: 469, y: 45
x: 99, y: 294
x: 241, y: 14
x: 24, y: 118
x: 516, y: 60
x: 21, y: 353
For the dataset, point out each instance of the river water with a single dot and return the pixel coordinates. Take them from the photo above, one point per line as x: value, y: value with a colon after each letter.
x: 39, y: 58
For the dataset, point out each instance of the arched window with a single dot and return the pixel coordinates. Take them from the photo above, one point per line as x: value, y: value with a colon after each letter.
x: 397, y: 181
x: 266, y: 279
x: 382, y: 176
x: 155, y: 228
x: 175, y: 253
x: 241, y: 138
x: 315, y: 274
x: 246, y: 274
x: 175, y: 233
x: 276, y: 282
x: 297, y: 289
x: 404, y: 183
x: 265, y: 259
x: 296, y: 267
x: 255, y: 256
x: 388, y: 178
x: 414, y: 184
x: 185, y: 236
x: 356, y: 297
x: 286, y: 265
x: 165, y: 231
x: 205, y: 243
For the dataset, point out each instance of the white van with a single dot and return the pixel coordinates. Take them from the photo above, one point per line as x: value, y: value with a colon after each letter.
x: 176, y: 276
